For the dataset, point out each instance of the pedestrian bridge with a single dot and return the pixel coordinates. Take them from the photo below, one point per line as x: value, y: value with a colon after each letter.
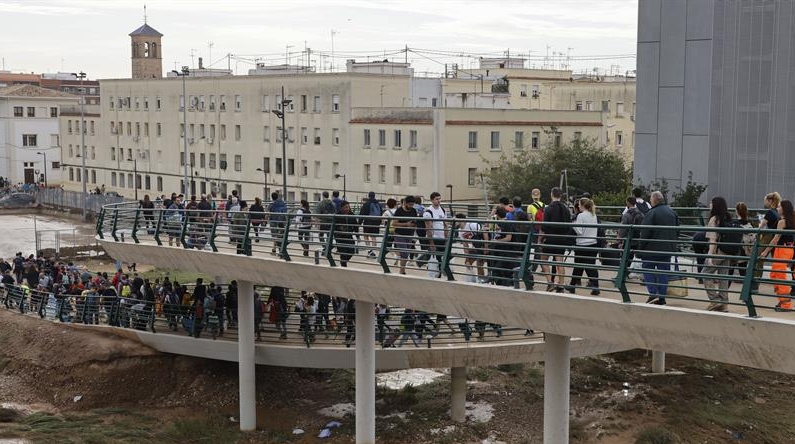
x: 749, y: 333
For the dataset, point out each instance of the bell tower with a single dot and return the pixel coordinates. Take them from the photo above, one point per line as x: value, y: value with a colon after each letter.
x: 147, y: 60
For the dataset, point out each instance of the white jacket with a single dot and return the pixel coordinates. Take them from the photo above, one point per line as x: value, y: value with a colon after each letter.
x: 586, y: 236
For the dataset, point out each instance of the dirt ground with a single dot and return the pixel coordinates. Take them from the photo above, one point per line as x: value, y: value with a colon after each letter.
x: 58, y: 381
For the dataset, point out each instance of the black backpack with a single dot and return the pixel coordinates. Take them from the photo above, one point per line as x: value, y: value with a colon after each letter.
x: 730, y: 243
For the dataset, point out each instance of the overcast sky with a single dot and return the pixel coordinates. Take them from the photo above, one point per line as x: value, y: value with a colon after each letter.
x: 92, y: 35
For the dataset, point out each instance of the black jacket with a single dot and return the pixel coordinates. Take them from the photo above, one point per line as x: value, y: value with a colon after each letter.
x: 659, y: 240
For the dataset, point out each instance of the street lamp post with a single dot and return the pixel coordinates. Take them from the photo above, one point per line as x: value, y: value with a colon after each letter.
x: 267, y: 193
x: 81, y: 75
x: 134, y: 160
x: 184, y: 73
x: 344, y: 184
x: 450, y: 186
x: 280, y: 114
x: 45, y: 167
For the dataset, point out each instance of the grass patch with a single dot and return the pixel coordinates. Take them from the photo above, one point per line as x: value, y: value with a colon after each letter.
x: 657, y: 435
x: 200, y: 430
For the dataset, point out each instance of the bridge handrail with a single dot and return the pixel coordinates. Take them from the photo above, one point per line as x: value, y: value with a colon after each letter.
x: 509, y: 263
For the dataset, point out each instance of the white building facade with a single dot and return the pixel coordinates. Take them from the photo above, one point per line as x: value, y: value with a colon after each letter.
x: 29, y: 131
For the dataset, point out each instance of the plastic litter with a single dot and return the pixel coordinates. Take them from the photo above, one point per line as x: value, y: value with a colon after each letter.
x: 298, y: 431
x: 326, y: 432
x: 77, y: 398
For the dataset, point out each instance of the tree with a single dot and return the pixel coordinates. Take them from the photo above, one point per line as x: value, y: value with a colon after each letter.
x: 589, y: 168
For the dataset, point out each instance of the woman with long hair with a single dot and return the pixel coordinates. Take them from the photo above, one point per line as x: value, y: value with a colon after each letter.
x: 769, y: 221
x: 717, y: 263
x: 586, y: 251
x: 782, y: 244
x: 744, y: 221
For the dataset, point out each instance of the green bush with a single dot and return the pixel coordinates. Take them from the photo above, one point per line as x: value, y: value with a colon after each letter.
x: 657, y: 435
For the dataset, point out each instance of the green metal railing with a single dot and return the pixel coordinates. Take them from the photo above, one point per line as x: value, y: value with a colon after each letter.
x: 505, y: 253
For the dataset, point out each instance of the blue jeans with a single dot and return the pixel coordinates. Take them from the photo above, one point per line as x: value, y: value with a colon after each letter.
x: 656, y: 282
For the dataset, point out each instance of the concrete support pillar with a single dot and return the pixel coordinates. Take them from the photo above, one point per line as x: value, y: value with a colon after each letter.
x: 365, y: 373
x: 458, y: 394
x: 657, y: 361
x: 245, y: 355
x: 556, y: 388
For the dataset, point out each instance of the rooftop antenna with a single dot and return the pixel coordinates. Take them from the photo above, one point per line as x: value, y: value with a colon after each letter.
x: 144, y: 14
x: 192, y: 54
x: 210, y: 57
x: 332, y: 49
x: 287, y: 54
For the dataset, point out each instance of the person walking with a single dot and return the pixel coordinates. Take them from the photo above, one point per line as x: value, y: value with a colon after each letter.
x: 782, y: 246
x: 585, y: 251
x: 717, y: 263
x: 656, y: 247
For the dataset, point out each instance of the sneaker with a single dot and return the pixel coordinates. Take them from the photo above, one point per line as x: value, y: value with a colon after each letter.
x: 595, y: 292
x: 781, y: 309
x: 651, y: 299
x: 371, y: 254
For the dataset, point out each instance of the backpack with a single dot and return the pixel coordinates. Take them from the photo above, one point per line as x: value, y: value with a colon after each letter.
x: 326, y: 207
x: 279, y: 208
x: 643, y: 207
x: 731, y: 243
x: 375, y: 209
x: 539, y: 216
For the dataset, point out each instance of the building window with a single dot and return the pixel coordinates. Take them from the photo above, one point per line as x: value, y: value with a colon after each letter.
x: 29, y: 140
x: 53, y: 111
x: 606, y: 106
x: 237, y: 132
x: 137, y: 103
x: 266, y: 165
x: 335, y: 103
x: 303, y: 103
x: 317, y: 136
x: 473, y: 141
x: 619, y: 108
x: 211, y: 163
x: 55, y: 140
x: 266, y: 133
x: 398, y: 139
x: 558, y: 137
x: 413, y: 176
x: 304, y: 135
x: 212, y: 102
x: 397, y: 174
x: 121, y: 178
x: 159, y: 129
x: 381, y: 173
x: 202, y: 160
x: 31, y: 111
x: 518, y: 140
x: 93, y: 176
x: 112, y: 152
x: 316, y: 104
x: 56, y: 165
x: 222, y: 161
x: 588, y: 105
x: 138, y: 129
x: 495, y: 140
x: 317, y: 170
x: 304, y: 168
x: 278, y: 165
x: 18, y: 111
x: 223, y: 132
x: 111, y: 102
x: 159, y: 183
x: 335, y: 168
x: 367, y: 172
x: 279, y: 134
x: 291, y: 134
x: 222, y: 100
x: 534, y: 139
x: 335, y: 136
x: 381, y: 138
x: 619, y: 138
x: 112, y: 178
x: 146, y: 107
x: 238, y: 103
x: 578, y: 105
x: 146, y: 129
x: 238, y: 162
x: 266, y: 104
x: 367, y: 138
x: 290, y: 104
x: 148, y: 182
x: 291, y: 167
x: 93, y: 152
x: 412, y: 139
x: 472, y: 174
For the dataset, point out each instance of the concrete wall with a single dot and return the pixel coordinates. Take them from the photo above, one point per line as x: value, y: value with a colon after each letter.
x: 716, y: 94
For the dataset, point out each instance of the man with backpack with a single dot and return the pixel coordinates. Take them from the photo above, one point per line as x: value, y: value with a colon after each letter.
x: 640, y: 204
x: 324, y: 211
x: 631, y: 216
x: 435, y: 230
x: 277, y: 216
x: 371, y: 225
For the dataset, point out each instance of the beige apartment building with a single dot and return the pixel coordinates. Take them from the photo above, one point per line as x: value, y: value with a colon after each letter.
x: 375, y: 127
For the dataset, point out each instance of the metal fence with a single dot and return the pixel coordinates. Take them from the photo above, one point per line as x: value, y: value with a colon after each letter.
x: 671, y: 262
x: 75, y: 200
